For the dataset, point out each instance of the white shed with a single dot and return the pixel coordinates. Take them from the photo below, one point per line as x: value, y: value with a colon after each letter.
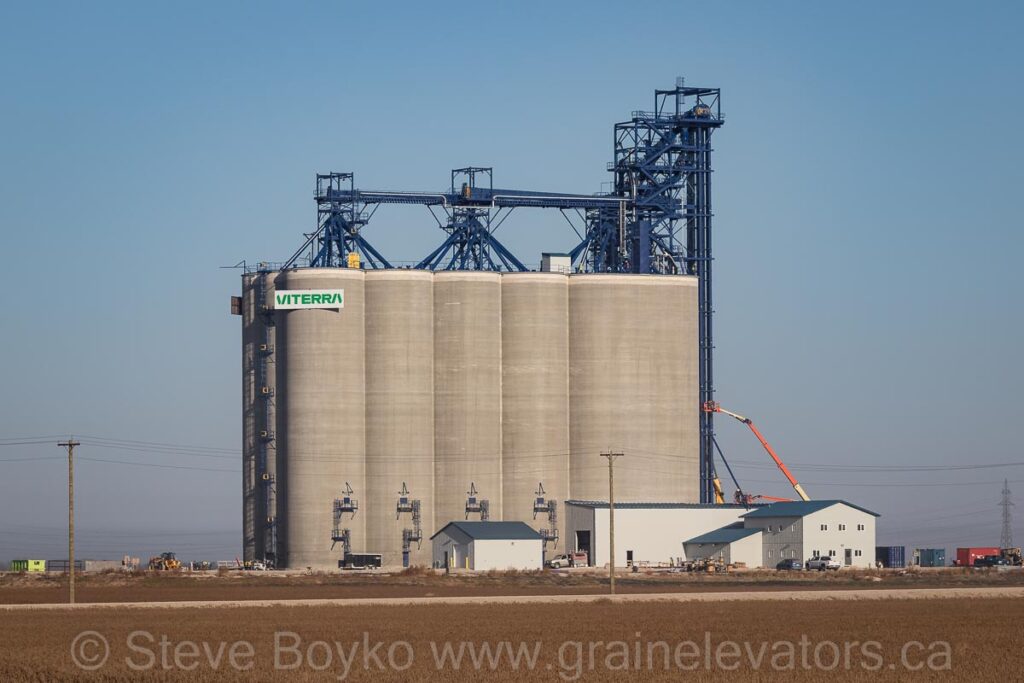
x: 733, y: 544
x: 481, y: 546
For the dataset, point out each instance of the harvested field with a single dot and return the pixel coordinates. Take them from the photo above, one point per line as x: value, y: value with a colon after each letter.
x: 983, y: 592
x: 602, y: 641
x: 151, y: 587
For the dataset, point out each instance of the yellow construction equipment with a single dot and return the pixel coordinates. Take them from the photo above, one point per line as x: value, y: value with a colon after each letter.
x: 164, y: 562
x: 719, y: 494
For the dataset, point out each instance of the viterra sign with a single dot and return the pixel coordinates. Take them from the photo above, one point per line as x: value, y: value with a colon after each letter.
x: 309, y: 298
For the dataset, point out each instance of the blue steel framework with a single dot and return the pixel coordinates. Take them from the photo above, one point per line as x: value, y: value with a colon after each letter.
x: 656, y: 219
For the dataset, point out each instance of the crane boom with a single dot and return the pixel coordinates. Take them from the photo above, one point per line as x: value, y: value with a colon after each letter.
x: 713, y: 407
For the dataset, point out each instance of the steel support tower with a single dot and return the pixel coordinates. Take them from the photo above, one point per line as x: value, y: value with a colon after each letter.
x: 1006, y: 537
x: 340, y: 217
x: 662, y: 166
x: 656, y: 219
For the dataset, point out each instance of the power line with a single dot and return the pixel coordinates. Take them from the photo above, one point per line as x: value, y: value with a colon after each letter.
x: 142, y: 446
x: 55, y: 457
x: 162, y: 466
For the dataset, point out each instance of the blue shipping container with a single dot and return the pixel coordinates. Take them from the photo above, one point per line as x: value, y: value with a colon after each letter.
x: 932, y: 557
x: 891, y: 556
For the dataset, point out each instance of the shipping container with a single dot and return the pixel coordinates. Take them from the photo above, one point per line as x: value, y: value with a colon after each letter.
x: 62, y: 565
x: 965, y: 557
x: 28, y: 565
x: 891, y: 556
x: 931, y: 557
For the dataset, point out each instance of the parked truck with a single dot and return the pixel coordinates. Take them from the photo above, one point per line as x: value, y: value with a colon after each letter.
x: 822, y: 563
x: 578, y: 559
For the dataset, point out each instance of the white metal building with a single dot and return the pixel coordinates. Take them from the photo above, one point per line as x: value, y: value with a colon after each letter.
x: 801, y: 530
x: 734, y: 544
x: 481, y: 546
x: 644, y: 532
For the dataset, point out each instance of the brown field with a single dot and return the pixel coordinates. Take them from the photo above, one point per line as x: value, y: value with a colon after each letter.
x: 982, y: 636
x: 151, y: 587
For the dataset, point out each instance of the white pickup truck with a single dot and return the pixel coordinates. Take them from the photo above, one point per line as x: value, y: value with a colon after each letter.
x: 578, y: 559
x: 821, y: 563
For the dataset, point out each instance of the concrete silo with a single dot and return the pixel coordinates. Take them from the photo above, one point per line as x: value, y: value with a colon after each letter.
x: 535, y: 397
x: 633, y: 386
x: 320, y: 415
x: 399, y: 413
x: 445, y: 381
x: 467, y: 392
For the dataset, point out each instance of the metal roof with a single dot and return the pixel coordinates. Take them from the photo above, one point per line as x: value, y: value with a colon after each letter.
x: 694, y: 506
x: 494, y: 531
x: 727, y: 534
x: 801, y: 508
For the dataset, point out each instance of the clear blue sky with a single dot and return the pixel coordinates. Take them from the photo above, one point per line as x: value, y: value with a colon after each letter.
x: 867, y: 198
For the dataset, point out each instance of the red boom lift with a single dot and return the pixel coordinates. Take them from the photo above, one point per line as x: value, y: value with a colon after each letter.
x: 743, y: 498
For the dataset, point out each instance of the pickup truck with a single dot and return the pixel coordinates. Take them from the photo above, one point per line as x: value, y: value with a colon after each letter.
x: 570, y: 560
x: 821, y: 563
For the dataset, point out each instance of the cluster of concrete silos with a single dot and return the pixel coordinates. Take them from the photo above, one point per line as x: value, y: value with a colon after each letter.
x: 442, y: 381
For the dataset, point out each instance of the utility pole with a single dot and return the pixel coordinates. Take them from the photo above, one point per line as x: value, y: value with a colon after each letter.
x: 611, y: 517
x: 70, y: 445
x: 1006, y: 540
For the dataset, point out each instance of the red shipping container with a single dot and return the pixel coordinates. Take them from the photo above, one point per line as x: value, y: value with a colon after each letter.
x: 965, y: 557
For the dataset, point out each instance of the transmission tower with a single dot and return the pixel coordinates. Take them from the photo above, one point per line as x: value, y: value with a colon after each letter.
x: 1006, y: 539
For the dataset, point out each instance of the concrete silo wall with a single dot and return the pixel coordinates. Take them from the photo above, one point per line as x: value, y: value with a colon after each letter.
x: 399, y: 409
x: 535, y: 393
x: 467, y: 392
x: 320, y: 414
x: 443, y: 380
x: 633, y: 386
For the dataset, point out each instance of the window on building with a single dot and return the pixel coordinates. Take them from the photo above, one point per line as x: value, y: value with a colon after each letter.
x: 860, y: 527
x: 856, y: 553
x: 831, y: 553
x: 769, y: 553
x: 842, y: 527
x: 824, y: 527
